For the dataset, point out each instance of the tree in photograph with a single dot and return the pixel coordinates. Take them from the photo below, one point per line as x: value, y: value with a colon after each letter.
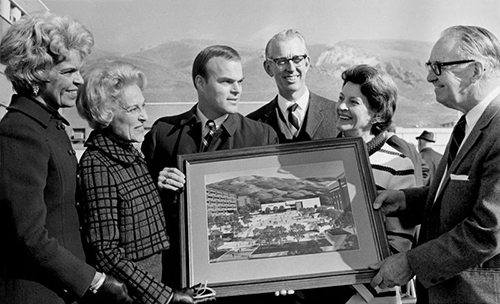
x: 244, y: 211
x: 280, y: 233
x: 268, y: 234
x: 236, y: 226
x: 214, y: 245
x: 329, y: 213
x: 297, y: 231
x: 345, y: 219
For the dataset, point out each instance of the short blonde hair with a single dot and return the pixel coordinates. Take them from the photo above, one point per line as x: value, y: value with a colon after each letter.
x: 102, y: 90
x: 38, y: 42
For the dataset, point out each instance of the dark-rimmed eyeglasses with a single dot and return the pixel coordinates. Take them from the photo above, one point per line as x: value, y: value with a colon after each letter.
x: 282, y: 62
x: 435, y: 67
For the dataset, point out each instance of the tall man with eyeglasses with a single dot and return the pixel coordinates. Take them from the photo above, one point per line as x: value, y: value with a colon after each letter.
x: 458, y: 256
x: 296, y: 114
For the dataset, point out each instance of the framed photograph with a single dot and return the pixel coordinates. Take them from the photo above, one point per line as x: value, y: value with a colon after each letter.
x: 289, y: 216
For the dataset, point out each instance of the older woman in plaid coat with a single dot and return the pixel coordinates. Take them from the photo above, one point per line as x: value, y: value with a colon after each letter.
x: 123, y: 225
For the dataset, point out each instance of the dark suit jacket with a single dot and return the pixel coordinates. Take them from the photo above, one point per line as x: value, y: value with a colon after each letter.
x: 432, y: 158
x: 458, y: 259
x: 319, y: 122
x: 38, y: 219
x: 181, y: 134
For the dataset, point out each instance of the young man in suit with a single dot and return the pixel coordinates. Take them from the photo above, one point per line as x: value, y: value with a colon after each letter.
x: 458, y: 256
x: 313, y: 117
x: 217, y: 76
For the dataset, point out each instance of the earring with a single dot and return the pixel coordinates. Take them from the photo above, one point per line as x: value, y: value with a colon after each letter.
x: 36, y: 88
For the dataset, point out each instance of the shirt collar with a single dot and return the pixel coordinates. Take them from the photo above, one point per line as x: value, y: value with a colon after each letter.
x: 204, y: 119
x: 475, y: 113
x: 303, y: 101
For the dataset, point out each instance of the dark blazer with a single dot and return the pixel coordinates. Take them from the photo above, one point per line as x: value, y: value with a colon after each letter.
x: 458, y: 259
x: 42, y: 255
x: 181, y: 134
x: 319, y: 122
x: 121, y: 215
x: 432, y: 158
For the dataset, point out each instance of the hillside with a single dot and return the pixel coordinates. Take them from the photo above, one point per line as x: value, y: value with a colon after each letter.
x: 168, y: 67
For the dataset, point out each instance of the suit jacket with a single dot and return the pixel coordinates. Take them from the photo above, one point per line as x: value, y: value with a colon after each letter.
x: 432, y: 158
x: 319, y: 122
x: 42, y: 255
x: 458, y: 259
x: 182, y: 134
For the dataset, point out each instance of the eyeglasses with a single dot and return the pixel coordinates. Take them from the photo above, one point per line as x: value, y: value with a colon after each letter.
x: 436, y: 66
x: 282, y: 61
x: 135, y: 110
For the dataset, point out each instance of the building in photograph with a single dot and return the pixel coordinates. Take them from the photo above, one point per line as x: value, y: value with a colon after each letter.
x: 220, y: 202
x: 339, y: 192
x: 290, y: 205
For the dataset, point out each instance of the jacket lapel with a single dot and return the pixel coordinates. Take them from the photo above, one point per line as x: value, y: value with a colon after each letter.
x: 314, y: 116
x: 270, y: 116
x: 470, y: 142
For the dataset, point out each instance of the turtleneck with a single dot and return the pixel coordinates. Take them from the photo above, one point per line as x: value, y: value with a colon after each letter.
x: 374, y: 144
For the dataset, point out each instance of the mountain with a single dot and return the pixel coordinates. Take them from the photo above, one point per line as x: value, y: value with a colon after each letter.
x: 265, y: 188
x: 168, y: 67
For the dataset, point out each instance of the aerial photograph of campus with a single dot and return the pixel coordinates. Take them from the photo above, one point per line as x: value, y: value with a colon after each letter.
x: 273, y: 213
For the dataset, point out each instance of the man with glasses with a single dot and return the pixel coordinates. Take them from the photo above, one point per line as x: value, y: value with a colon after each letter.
x: 296, y: 114
x: 458, y: 256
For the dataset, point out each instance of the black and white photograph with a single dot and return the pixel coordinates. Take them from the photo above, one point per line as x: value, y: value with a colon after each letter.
x: 284, y: 151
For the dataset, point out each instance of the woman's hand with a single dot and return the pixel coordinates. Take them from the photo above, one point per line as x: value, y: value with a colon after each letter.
x: 171, y: 179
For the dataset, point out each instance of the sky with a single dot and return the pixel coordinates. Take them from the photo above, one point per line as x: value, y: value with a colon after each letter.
x: 126, y: 26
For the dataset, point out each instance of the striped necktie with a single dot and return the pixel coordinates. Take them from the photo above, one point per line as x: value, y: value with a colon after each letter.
x: 292, y: 119
x: 210, y: 135
x: 457, y: 136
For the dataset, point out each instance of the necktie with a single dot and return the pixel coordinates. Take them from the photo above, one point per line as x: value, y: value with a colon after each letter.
x: 292, y: 119
x: 210, y: 135
x: 457, y: 136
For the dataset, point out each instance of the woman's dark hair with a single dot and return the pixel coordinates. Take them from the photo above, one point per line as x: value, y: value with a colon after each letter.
x: 380, y: 91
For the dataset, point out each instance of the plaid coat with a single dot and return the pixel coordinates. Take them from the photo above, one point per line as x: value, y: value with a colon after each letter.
x: 121, y: 215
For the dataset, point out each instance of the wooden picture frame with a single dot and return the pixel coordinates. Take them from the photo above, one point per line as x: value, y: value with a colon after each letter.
x: 289, y: 216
